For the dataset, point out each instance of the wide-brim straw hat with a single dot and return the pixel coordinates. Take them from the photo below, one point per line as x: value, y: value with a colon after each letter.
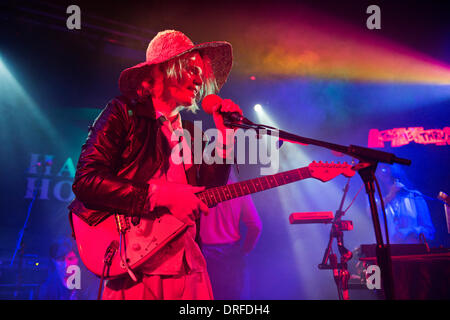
x: 170, y: 44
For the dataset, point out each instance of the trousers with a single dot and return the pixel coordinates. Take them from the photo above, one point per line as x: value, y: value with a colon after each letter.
x: 193, y: 286
x: 227, y: 270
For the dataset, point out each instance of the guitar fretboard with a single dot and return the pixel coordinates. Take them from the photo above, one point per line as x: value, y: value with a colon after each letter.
x: 216, y: 195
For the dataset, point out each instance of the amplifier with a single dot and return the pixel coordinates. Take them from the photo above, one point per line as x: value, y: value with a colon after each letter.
x: 369, y: 250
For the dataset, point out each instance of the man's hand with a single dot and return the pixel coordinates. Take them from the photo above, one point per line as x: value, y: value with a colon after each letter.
x: 227, y: 105
x: 179, y: 199
x: 394, y: 189
x: 226, y: 139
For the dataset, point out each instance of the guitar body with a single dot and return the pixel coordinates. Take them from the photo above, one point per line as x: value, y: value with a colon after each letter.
x: 142, y: 241
x: 138, y: 243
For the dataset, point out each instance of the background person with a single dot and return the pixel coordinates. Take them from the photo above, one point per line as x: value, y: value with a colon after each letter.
x: 224, y: 247
x: 408, y: 215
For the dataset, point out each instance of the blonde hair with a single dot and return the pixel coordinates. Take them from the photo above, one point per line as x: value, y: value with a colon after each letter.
x: 173, y: 69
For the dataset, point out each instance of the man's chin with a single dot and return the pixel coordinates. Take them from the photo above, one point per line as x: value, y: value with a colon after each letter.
x: 183, y: 107
x: 187, y: 104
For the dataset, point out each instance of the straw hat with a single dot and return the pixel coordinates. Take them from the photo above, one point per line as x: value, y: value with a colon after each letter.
x: 171, y: 44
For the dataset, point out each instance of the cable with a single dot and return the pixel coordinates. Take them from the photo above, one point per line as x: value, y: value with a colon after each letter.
x: 354, y: 198
x: 99, y: 295
x: 124, y: 259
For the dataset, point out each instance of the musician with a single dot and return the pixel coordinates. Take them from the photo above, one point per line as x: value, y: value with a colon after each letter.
x: 407, y: 212
x: 226, y: 248
x: 126, y: 166
x: 62, y: 256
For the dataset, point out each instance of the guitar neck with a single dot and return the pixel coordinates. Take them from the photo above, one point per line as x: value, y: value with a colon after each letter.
x: 216, y: 195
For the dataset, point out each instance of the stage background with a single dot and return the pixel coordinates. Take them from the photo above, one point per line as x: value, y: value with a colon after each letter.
x: 54, y: 82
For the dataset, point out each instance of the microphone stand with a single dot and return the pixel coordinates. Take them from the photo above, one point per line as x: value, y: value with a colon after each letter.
x: 340, y: 271
x: 369, y: 159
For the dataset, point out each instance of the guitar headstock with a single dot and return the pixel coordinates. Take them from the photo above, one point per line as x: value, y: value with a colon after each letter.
x: 325, y: 171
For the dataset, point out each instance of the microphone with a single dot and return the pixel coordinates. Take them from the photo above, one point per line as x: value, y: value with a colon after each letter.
x: 444, y: 197
x: 211, y: 101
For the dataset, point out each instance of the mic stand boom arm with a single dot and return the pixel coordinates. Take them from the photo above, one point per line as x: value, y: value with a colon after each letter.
x: 362, y: 153
x: 369, y: 159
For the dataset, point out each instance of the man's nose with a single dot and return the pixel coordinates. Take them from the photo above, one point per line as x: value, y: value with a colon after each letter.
x: 197, y: 80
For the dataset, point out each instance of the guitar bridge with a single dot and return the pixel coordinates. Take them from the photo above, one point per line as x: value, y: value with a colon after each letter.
x: 122, y: 223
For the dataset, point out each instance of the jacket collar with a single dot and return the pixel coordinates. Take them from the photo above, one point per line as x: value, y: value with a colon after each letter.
x: 148, y: 111
x: 144, y: 109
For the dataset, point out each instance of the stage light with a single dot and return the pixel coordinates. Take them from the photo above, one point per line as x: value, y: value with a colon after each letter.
x: 15, y: 97
x: 325, y: 50
x: 257, y: 107
x: 309, y: 194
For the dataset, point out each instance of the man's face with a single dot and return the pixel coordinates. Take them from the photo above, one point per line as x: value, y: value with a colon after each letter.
x: 384, y: 174
x: 184, y: 90
x: 62, y: 265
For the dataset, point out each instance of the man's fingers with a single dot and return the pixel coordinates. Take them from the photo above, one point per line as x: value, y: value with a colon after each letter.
x: 197, y: 189
x: 203, y: 208
x: 235, y: 108
x: 229, y: 106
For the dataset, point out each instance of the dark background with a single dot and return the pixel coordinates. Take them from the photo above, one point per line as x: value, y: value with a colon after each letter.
x: 55, y: 82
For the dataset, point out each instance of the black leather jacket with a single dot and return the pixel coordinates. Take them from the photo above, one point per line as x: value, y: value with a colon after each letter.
x: 124, y: 149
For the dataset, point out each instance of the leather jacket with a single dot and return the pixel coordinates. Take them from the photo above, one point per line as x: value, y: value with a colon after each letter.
x: 123, y: 150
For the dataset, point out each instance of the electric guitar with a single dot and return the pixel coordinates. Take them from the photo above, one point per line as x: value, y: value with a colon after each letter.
x: 116, y: 246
